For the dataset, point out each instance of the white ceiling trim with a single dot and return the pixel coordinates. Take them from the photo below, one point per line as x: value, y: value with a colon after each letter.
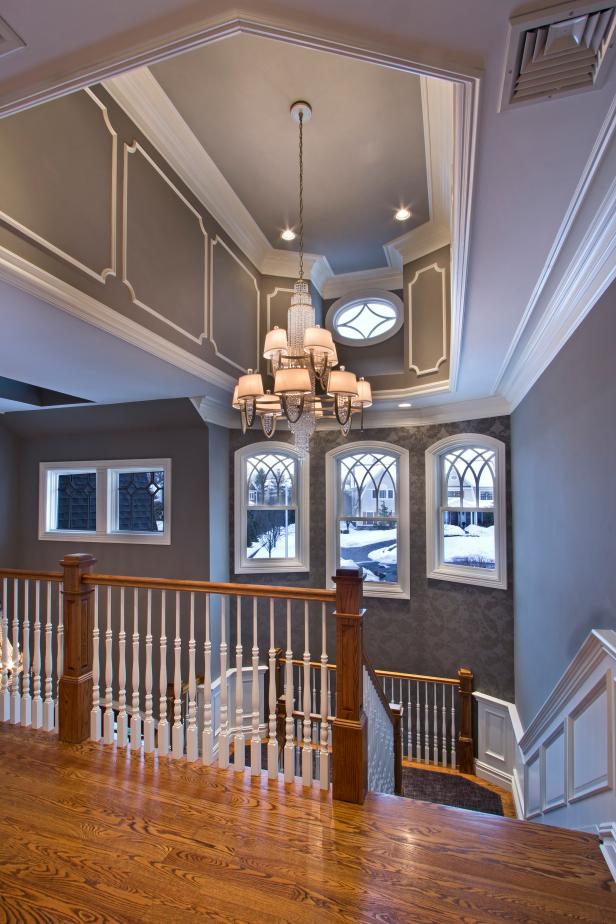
x: 146, y: 103
x: 216, y: 411
x: 590, y: 234
x: 349, y: 284
x: 36, y: 281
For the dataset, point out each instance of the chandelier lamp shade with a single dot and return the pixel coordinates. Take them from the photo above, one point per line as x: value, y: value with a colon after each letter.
x: 303, y: 361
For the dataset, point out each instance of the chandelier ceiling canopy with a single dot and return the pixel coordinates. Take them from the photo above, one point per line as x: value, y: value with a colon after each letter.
x: 308, y: 384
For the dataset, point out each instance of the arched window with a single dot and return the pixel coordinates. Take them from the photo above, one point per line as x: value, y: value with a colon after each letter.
x: 368, y: 515
x: 364, y: 320
x: 271, y: 509
x: 466, y: 537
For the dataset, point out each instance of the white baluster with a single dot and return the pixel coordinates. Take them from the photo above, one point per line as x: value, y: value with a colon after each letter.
x: 453, y: 726
x: 272, y: 742
x: 307, y: 707
x: 177, y: 732
x: 313, y: 704
x: 15, y: 674
x: 135, y: 718
x: 418, y: 726
x: 26, y: 699
x: 444, y: 728
x: 5, y: 695
x: 409, y: 722
x: 435, y: 724
x: 48, y: 704
x: 427, y: 738
x: 148, y: 723
x: 108, y: 718
x: 207, y: 743
x: 223, y: 738
x: 59, y: 652
x: 289, y: 768
x: 122, y: 723
x: 192, y: 738
x: 324, y: 706
x: 95, y: 712
x: 163, y: 724
x: 255, y: 741
x: 239, y: 752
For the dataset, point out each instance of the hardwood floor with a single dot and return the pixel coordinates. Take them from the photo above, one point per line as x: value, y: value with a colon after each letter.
x: 90, y: 834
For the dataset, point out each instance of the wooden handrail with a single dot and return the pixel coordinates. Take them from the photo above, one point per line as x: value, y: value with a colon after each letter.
x: 300, y: 663
x: 310, y: 594
x: 30, y: 575
x: 422, y: 678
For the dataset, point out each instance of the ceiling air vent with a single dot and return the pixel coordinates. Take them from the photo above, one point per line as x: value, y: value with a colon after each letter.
x: 564, y: 49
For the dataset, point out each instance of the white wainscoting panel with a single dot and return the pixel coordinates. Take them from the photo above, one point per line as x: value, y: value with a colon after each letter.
x: 498, y: 724
x: 591, y: 733
x: 532, y: 799
x: 554, y: 787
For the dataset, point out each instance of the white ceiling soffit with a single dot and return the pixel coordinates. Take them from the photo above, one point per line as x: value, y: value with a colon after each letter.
x: 146, y: 103
x: 554, y: 52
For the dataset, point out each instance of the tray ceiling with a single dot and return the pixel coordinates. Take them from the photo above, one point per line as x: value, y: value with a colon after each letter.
x: 364, y: 147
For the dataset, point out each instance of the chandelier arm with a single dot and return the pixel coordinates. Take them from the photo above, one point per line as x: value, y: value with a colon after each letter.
x: 342, y: 419
x: 286, y: 409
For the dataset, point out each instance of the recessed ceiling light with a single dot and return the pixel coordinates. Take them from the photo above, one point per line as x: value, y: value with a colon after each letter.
x: 405, y: 404
x: 288, y: 235
x: 402, y: 214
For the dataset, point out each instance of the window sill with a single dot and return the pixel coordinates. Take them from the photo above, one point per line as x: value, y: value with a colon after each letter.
x: 122, y: 538
x: 471, y: 577
x: 286, y: 568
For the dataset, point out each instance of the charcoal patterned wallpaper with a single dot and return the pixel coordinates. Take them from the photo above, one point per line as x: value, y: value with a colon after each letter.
x: 444, y: 625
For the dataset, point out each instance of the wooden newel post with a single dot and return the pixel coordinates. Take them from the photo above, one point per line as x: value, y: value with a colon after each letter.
x: 75, y: 687
x: 466, y: 748
x: 350, y: 733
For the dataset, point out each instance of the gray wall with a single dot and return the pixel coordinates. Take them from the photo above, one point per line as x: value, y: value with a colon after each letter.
x: 9, y: 485
x: 564, y: 453
x: 444, y: 625
x: 169, y: 429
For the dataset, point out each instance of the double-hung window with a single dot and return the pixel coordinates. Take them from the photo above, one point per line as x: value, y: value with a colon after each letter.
x: 368, y: 515
x: 271, y: 509
x: 466, y: 538
x: 116, y: 501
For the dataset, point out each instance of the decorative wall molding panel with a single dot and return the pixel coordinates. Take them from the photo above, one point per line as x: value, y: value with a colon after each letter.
x: 163, y: 242
x: 560, y: 768
x: 227, y: 310
x: 73, y: 201
x: 29, y: 278
x: 426, y: 288
x: 579, y: 268
x: 274, y: 317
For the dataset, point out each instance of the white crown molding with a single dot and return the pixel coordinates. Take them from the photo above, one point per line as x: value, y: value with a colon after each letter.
x: 582, y: 278
x: 145, y: 102
x: 30, y: 278
x: 417, y: 243
x: 347, y: 284
x: 427, y: 388
x: 216, y: 411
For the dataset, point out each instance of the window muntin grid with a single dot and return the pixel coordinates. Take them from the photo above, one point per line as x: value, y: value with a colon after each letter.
x: 367, y: 515
x: 271, y: 508
x: 365, y: 320
x: 467, y: 523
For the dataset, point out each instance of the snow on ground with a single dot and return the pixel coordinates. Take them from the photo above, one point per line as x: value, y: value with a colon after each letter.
x: 280, y: 550
x: 358, y: 537
x: 388, y: 554
x: 467, y: 546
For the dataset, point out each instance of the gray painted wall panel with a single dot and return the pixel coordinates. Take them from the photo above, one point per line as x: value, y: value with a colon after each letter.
x: 564, y: 452
x: 9, y: 508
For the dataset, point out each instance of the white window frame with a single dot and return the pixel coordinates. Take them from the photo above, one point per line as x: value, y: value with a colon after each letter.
x: 357, y: 298
x: 107, y: 506
x: 401, y: 590
x: 301, y: 561
x: 436, y: 568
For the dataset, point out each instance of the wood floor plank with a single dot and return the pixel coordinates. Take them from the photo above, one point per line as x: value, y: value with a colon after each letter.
x: 90, y: 833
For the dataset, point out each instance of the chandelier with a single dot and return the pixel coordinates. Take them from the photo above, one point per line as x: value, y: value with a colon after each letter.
x: 307, y: 385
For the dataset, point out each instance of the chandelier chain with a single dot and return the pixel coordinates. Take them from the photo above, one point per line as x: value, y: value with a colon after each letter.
x: 301, y: 196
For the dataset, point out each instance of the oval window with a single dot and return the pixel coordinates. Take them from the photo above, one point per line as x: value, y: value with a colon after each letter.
x: 364, y: 321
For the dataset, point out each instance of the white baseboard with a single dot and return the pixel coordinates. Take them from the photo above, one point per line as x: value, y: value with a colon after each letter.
x: 492, y: 775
